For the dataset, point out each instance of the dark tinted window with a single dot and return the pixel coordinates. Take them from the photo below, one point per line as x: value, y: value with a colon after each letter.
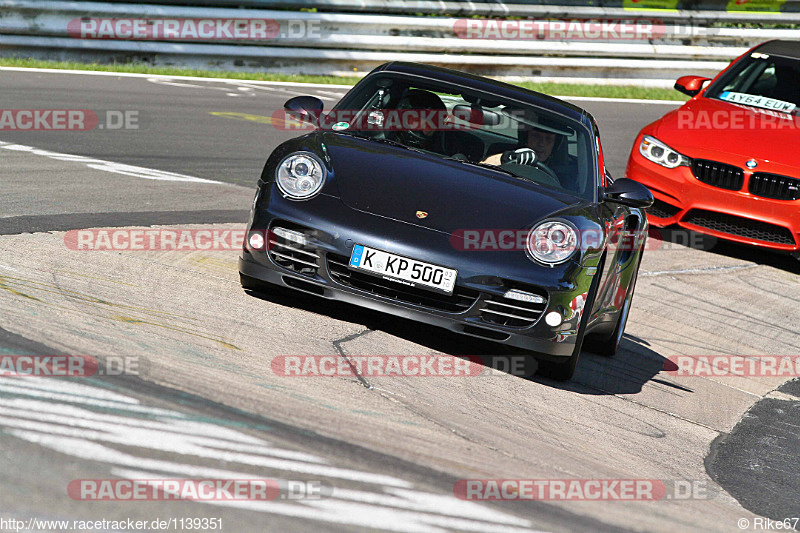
x: 476, y: 128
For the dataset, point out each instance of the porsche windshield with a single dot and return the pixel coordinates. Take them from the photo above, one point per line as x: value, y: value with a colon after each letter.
x: 763, y: 81
x: 472, y: 127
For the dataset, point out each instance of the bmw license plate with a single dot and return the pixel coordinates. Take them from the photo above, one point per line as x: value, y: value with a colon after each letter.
x: 403, y: 269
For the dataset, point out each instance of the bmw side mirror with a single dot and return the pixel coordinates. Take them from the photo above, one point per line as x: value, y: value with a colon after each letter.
x: 305, y: 108
x: 690, y: 85
x: 628, y: 192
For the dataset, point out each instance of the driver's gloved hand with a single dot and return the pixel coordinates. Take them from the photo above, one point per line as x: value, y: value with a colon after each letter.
x: 520, y: 156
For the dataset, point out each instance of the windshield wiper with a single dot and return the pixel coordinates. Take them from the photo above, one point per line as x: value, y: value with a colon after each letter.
x: 398, y: 144
x: 358, y: 135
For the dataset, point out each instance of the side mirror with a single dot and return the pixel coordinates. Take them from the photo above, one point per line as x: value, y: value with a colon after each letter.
x: 305, y: 108
x: 690, y: 85
x: 628, y: 192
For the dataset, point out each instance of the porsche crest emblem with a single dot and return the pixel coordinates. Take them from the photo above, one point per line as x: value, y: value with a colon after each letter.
x: 422, y: 214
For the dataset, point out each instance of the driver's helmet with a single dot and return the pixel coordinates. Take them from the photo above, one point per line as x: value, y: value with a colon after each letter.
x: 418, y: 99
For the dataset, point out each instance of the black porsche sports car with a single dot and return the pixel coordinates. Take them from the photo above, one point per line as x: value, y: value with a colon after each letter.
x: 454, y: 200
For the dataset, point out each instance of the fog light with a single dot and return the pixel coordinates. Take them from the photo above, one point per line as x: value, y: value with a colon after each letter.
x: 553, y: 319
x: 523, y: 296
x: 256, y: 240
x: 291, y: 236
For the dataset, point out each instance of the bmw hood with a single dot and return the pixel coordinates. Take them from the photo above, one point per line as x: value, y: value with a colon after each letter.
x: 435, y: 193
x: 709, y: 128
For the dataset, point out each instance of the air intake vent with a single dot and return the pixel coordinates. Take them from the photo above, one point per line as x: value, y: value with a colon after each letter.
x: 291, y: 255
x: 514, y: 313
x: 661, y: 209
x: 718, y: 174
x: 774, y: 186
x: 739, y: 226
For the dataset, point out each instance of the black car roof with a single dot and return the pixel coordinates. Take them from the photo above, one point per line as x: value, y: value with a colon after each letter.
x: 488, y: 85
x: 781, y: 48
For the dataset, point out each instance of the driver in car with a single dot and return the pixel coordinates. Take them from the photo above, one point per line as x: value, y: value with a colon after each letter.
x: 541, y: 145
x: 420, y: 101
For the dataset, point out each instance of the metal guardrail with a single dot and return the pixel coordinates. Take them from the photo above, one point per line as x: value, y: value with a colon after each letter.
x: 348, y: 43
x: 674, y: 10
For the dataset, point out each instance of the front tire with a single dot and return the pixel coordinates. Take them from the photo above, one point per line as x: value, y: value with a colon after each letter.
x: 564, y: 370
x: 609, y: 345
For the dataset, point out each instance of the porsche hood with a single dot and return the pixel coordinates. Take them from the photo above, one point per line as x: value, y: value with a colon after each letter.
x: 432, y: 192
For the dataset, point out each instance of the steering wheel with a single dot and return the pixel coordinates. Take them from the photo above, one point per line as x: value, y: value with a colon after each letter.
x: 527, y: 157
x: 547, y: 170
x: 413, y: 138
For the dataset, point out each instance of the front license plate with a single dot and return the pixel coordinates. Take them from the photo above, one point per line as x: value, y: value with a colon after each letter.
x: 758, y: 101
x: 403, y: 269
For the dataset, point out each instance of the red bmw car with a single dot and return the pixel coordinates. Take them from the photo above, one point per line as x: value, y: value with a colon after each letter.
x: 727, y: 162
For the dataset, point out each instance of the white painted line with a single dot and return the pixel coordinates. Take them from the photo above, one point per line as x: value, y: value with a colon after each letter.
x: 620, y: 100
x: 387, y: 502
x: 165, y: 432
x: 170, y: 77
x: 163, y: 440
x: 75, y: 389
x: 108, y: 166
x: 705, y: 270
x: 245, y: 85
x: 291, y: 83
x: 77, y: 416
x: 73, y: 398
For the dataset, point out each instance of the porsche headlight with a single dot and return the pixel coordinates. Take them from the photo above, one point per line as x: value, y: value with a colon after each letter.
x: 660, y: 153
x: 553, y: 242
x: 300, y: 175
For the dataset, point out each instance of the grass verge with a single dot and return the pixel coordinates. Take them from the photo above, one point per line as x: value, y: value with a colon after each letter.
x: 561, y: 89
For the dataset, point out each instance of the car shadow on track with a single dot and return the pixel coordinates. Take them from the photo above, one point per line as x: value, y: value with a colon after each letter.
x: 626, y: 373
x: 634, y: 365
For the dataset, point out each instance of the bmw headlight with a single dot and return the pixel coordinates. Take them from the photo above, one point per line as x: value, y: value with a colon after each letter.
x: 553, y: 242
x: 300, y: 175
x: 660, y: 153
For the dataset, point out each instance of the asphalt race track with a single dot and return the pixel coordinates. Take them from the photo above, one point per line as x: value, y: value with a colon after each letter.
x: 384, y: 452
